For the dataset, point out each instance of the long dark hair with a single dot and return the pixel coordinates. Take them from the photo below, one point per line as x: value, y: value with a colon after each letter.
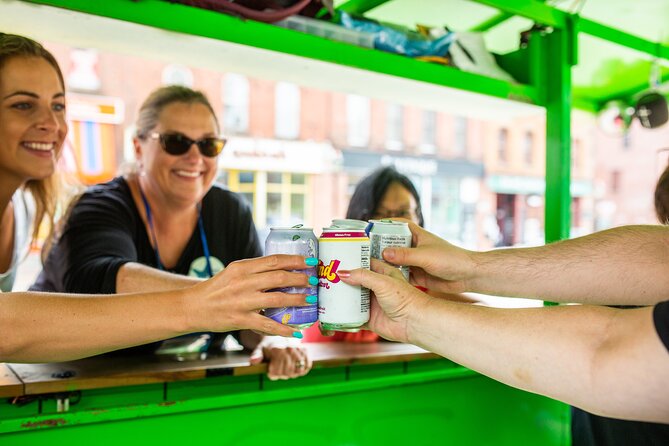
x: 370, y: 191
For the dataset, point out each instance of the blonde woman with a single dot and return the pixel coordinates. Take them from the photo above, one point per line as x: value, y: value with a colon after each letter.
x: 38, y: 327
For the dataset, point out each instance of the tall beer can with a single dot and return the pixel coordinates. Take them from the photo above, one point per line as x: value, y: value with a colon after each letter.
x: 298, y: 241
x: 388, y: 234
x: 342, y: 307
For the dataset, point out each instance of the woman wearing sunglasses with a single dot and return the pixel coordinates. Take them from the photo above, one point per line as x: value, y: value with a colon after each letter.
x: 39, y: 327
x: 166, y: 225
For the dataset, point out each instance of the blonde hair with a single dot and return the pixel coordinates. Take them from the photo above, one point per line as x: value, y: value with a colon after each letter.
x: 45, y: 192
x: 149, y: 112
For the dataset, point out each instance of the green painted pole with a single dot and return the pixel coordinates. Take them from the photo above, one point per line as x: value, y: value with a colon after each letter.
x: 555, y: 80
x: 551, y: 57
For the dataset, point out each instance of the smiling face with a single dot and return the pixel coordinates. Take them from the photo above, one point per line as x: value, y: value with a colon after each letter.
x: 181, y: 180
x: 32, y: 119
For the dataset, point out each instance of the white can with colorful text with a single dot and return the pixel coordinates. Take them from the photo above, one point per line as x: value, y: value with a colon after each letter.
x: 342, y: 307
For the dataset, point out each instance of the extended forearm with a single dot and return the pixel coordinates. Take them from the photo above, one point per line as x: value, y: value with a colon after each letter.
x: 625, y: 265
x: 135, y: 277
x: 561, y: 352
x: 51, y: 327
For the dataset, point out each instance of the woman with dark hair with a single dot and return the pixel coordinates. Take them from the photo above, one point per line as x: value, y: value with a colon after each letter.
x: 39, y: 327
x: 385, y: 193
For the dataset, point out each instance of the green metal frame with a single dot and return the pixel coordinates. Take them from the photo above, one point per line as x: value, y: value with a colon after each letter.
x: 395, y: 403
x: 179, y: 18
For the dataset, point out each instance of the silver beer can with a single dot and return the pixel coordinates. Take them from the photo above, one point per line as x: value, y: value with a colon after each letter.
x: 298, y: 241
x: 388, y: 234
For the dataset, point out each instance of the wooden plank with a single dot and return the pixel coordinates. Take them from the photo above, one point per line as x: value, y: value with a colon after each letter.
x: 105, y: 371
x: 10, y: 384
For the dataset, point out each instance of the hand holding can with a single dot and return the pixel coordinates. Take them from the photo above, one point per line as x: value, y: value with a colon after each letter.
x: 388, y: 234
x: 342, y: 307
x: 300, y: 241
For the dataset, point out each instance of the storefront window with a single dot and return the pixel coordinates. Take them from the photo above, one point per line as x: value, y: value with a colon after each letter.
x: 274, y: 177
x: 246, y: 177
x: 298, y: 178
x: 278, y: 198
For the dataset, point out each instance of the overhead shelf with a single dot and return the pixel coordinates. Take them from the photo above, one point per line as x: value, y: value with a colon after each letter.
x: 188, y: 35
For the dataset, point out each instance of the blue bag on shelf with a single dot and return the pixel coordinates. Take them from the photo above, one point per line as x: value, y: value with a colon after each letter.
x: 408, y: 43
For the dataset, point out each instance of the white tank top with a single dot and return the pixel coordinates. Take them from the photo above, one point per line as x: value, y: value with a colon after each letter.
x: 24, y: 213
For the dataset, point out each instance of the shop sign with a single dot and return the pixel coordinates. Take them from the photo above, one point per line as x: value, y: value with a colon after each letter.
x: 279, y: 156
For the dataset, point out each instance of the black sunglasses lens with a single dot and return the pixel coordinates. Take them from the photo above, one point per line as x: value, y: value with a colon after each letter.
x: 210, y: 146
x: 176, y: 144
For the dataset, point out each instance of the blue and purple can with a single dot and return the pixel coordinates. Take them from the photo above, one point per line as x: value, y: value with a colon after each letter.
x: 297, y: 241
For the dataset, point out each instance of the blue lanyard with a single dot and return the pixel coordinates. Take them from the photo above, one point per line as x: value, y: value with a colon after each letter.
x: 200, y: 225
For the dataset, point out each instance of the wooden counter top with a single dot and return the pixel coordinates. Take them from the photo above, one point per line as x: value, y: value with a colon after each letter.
x: 105, y: 371
x: 10, y: 384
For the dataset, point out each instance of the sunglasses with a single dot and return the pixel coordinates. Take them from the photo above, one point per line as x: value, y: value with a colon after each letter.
x: 178, y: 144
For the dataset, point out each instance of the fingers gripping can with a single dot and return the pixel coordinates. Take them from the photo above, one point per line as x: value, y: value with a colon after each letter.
x: 342, y: 307
x: 388, y: 234
x: 299, y: 241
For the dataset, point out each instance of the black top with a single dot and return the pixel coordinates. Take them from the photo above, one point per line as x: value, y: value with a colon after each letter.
x: 592, y: 430
x: 105, y: 231
x: 661, y: 319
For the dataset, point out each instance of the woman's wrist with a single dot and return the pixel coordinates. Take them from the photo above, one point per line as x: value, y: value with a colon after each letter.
x: 191, y: 309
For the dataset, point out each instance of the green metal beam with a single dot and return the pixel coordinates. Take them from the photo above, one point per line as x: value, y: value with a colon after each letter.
x: 532, y: 9
x: 492, y: 22
x: 551, y: 16
x: 628, y: 94
x: 360, y: 7
x: 622, y: 38
x: 585, y: 104
x: 199, y: 22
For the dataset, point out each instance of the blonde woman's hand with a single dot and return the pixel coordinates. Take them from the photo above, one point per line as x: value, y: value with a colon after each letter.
x: 234, y: 298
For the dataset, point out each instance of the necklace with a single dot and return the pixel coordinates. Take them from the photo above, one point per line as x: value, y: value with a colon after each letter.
x: 200, y: 225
